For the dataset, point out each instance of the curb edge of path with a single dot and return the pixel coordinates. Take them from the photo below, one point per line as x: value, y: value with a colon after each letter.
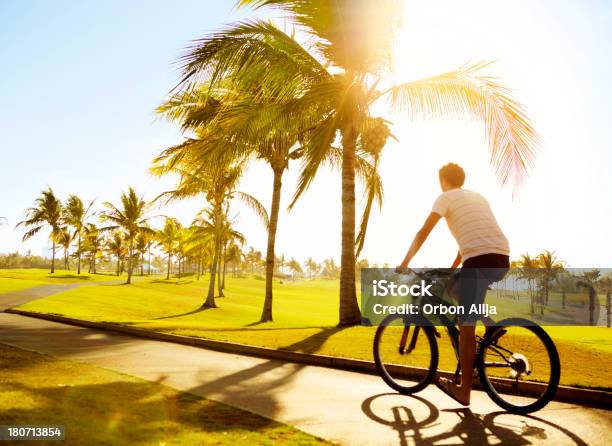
x: 599, y: 398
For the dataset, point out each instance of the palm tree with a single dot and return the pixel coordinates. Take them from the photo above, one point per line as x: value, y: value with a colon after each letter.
x: 92, y: 244
x: 217, y: 180
x: 144, y: 240
x: 295, y: 267
x: 551, y: 267
x: 234, y: 255
x: 605, y: 284
x: 76, y: 215
x: 131, y: 217
x: 64, y: 239
x: 47, y: 211
x: 528, y: 271
x: 312, y: 266
x: 589, y: 280
x: 336, y: 74
x: 115, y: 245
x: 167, y: 239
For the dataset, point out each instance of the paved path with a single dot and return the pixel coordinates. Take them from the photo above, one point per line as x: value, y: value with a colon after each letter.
x: 20, y: 297
x: 345, y: 407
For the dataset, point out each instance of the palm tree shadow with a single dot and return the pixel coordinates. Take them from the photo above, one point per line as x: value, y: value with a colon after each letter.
x: 196, y: 311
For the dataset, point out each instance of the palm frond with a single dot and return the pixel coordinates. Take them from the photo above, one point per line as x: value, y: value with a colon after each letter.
x: 254, y: 204
x: 511, y: 137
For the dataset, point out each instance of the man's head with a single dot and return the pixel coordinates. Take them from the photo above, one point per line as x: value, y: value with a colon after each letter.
x: 452, y: 176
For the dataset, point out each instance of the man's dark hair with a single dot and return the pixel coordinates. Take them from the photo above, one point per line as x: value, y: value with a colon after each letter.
x: 453, y: 174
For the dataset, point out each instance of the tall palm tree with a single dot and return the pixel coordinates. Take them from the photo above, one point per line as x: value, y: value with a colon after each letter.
x: 167, y: 239
x: 76, y: 215
x: 337, y: 72
x: 47, y: 211
x: 217, y: 181
x: 131, y: 217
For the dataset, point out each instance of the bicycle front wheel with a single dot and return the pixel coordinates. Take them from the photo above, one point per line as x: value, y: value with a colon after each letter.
x: 405, y: 353
x: 518, y: 366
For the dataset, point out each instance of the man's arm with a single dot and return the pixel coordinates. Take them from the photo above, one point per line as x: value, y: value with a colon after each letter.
x: 420, y: 238
x: 457, y: 261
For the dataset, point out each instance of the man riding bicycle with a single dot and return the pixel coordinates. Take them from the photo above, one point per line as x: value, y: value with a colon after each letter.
x: 483, y: 254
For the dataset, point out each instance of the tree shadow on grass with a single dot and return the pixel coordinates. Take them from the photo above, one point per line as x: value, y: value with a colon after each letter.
x: 196, y: 311
x: 69, y: 276
x: 171, y: 282
x: 123, y: 412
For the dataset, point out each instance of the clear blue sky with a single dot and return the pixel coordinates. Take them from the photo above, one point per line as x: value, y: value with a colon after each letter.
x: 80, y: 81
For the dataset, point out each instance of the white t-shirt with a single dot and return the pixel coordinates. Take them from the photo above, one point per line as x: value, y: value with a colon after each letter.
x: 472, y: 223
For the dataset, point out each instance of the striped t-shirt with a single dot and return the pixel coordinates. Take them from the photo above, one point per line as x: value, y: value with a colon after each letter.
x: 472, y: 223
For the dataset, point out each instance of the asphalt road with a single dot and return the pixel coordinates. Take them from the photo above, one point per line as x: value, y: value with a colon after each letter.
x: 344, y: 407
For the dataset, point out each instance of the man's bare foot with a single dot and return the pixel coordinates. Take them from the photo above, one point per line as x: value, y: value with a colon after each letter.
x: 453, y: 391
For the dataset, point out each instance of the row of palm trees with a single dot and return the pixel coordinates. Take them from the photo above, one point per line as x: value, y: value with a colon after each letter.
x: 127, y: 236
x: 255, y: 91
x: 67, y: 221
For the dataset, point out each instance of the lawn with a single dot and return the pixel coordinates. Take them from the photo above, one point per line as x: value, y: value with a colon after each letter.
x: 305, y: 314
x: 99, y: 406
x: 18, y: 279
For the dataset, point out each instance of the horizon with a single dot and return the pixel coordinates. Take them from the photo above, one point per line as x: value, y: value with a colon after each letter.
x: 77, y: 99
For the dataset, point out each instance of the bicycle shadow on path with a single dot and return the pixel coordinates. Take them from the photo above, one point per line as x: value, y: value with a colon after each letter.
x: 419, y: 422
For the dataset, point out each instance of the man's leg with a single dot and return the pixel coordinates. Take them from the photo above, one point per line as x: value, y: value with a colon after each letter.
x: 467, y: 355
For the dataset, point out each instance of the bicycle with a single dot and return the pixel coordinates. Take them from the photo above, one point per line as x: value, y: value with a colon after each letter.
x: 516, y: 360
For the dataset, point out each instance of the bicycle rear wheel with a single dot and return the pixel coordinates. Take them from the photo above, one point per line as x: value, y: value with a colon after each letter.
x: 406, y: 353
x: 519, y: 366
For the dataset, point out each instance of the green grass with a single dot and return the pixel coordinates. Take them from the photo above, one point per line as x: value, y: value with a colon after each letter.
x: 99, y: 406
x: 60, y: 276
x: 305, y: 315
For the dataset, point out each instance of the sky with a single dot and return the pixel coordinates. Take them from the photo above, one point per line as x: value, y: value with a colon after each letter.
x: 80, y: 82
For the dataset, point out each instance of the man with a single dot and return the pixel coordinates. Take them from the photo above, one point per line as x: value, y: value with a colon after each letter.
x: 484, y: 250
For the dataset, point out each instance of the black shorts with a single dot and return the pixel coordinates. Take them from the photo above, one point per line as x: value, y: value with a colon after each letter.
x: 473, y: 281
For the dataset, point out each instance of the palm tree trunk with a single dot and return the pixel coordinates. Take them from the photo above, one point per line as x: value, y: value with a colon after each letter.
x: 130, y: 262
x: 118, y: 265
x: 79, y: 255
x: 266, y: 314
x: 53, y: 258
x: 224, y: 265
x: 210, y: 298
x: 169, y: 265
x: 349, y: 308
x: 142, y: 263
x: 220, y: 260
